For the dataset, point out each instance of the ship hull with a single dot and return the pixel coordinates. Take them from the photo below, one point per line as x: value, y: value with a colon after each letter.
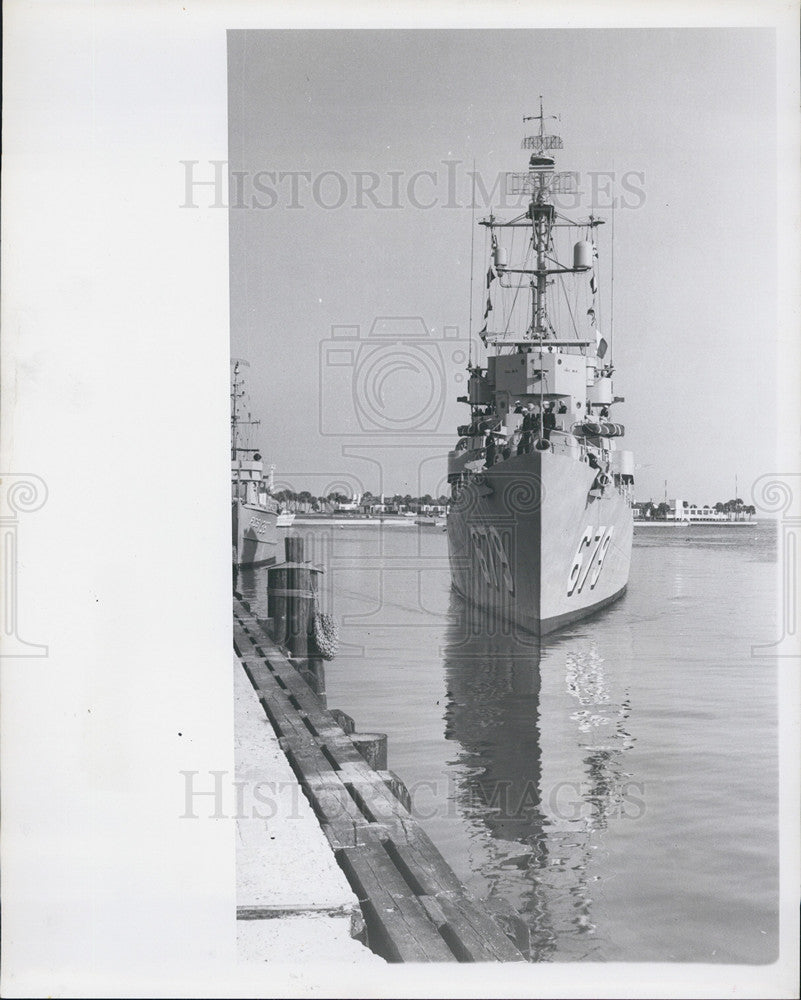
x: 254, y: 537
x: 534, y: 541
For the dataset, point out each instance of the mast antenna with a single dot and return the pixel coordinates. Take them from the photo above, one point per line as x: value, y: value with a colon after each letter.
x: 532, y: 141
x: 472, y: 265
x: 612, y: 293
x: 234, y: 408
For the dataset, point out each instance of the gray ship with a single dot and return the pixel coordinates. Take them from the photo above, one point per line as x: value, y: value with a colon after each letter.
x: 540, y: 526
x: 254, y: 511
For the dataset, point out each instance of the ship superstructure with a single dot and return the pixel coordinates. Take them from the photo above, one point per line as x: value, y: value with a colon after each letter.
x: 254, y: 511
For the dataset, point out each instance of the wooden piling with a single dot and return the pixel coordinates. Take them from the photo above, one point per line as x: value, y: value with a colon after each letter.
x: 299, y: 606
x: 293, y: 548
x: 290, y: 603
x: 277, y: 602
x: 373, y: 747
x: 345, y: 722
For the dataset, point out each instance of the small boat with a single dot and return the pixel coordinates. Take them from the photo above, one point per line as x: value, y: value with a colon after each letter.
x: 254, y: 512
x: 431, y: 521
x: 286, y: 519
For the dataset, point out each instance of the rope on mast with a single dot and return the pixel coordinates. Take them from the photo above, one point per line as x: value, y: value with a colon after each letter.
x: 472, y: 265
x: 598, y: 298
x: 612, y: 291
x: 567, y: 302
x: 517, y: 292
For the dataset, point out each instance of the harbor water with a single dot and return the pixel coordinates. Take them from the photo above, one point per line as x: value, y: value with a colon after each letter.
x: 617, y: 783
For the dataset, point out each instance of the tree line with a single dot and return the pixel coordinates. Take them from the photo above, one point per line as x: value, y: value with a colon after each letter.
x: 661, y: 510
x: 306, y: 502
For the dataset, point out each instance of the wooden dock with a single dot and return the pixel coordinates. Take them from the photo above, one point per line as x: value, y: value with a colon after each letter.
x: 414, y: 907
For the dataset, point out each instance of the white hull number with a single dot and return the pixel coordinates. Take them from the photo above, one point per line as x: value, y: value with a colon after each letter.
x: 596, y: 541
x: 491, y: 557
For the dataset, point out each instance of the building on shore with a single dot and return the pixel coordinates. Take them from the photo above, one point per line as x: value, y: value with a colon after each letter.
x: 681, y: 511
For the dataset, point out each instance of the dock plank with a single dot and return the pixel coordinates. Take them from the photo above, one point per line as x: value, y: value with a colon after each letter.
x: 402, y: 922
x: 478, y: 934
x: 415, y: 907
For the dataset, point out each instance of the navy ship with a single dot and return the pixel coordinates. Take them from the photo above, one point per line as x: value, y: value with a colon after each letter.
x: 254, y: 512
x: 540, y: 526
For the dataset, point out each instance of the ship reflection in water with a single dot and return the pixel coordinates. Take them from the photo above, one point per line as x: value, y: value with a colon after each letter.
x: 543, y: 798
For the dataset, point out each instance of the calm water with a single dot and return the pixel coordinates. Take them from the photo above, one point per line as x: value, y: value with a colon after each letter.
x: 618, y: 784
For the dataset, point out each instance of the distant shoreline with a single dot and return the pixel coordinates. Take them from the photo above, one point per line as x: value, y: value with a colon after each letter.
x: 391, y: 520
x: 697, y: 524
x: 358, y: 522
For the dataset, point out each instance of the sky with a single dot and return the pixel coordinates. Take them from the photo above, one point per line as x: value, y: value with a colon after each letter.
x: 352, y: 306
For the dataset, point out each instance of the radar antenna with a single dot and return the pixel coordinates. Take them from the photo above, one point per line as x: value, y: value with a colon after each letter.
x: 542, y: 141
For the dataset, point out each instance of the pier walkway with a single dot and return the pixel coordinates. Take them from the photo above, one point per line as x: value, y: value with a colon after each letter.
x: 342, y: 849
x: 292, y: 897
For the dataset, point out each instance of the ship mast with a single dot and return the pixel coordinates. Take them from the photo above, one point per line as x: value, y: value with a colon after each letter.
x: 541, y: 214
x: 237, y: 392
x: 539, y: 182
